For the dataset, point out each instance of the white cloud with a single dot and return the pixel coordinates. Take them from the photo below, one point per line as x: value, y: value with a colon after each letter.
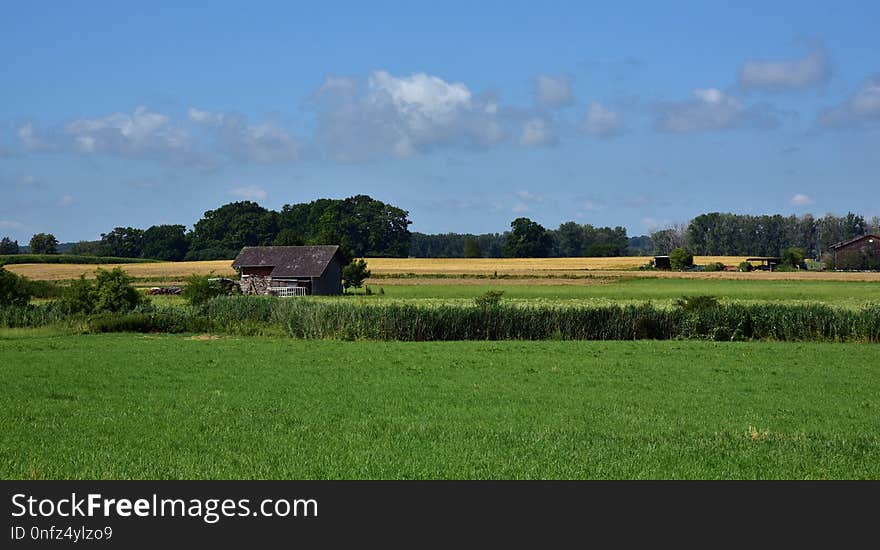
x: 385, y: 115
x: 860, y: 109
x: 801, y: 200
x: 530, y: 197
x: 525, y: 201
x: 250, y: 192
x: 140, y: 133
x: 600, y: 121
x: 66, y: 200
x: 553, y: 91
x: 31, y: 139
x: 263, y: 143
x: 710, y: 109
x: 10, y: 224
x: 537, y: 131
x: 790, y: 74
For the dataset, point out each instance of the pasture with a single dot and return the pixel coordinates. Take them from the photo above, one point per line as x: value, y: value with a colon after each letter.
x: 153, y: 407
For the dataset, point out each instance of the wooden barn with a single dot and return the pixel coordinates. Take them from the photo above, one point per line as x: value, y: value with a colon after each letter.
x: 289, y: 270
x: 858, y: 253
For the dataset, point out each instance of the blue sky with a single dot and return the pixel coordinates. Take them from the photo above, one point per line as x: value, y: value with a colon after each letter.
x: 466, y: 114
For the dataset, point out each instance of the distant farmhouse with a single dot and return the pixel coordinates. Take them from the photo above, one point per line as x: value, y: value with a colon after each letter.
x: 858, y: 253
x: 289, y: 270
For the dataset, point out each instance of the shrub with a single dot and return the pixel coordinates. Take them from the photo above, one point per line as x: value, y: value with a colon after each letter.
x: 681, y: 258
x: 745, y: 267
x: 113, y: 291
x: 794, y: 256
x: 200, y: 289
x: 13, y: 289
x: 355, y: 273
x: 492, y: 298
x: 110, y: 292
x: 79, y: 297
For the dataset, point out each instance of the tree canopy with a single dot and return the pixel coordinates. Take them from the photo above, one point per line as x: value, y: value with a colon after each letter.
x: 44, y: 243
x: 528, y: 239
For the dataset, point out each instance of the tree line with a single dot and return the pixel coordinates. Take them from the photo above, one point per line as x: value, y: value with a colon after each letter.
x: 527, y: 239
x: 360, y: 225
x: 718, y: 234
x: 366, y: 227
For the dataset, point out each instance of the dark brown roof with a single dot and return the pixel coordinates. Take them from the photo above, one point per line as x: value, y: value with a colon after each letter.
x: 853, y: 240
x: 288, y: 261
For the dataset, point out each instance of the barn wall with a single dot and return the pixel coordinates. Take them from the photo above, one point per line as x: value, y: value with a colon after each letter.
x: 330, y: 282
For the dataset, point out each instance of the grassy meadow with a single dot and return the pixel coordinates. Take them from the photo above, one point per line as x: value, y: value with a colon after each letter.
x: 131, y: 406
x: 326, y: 388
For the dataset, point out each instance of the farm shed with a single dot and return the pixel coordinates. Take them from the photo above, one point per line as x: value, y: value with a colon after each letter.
x: 289, y: 270
x: 662, y: 262
x: 858, y: 253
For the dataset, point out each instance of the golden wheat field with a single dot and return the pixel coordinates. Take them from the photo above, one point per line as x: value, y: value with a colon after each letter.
x: 543, y: 270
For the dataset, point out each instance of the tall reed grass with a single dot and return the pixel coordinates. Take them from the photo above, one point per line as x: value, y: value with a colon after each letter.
x: 309, y: 318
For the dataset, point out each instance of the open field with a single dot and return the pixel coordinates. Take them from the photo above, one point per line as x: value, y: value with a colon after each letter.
x: 834, y: 293
x: 128, y: 406
x: 521, y: 266
x: 157, y: 270
x: 452, y: 271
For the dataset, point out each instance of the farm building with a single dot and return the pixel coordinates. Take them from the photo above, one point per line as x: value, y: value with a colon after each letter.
x: 858, y: 253
x: 289, y: 270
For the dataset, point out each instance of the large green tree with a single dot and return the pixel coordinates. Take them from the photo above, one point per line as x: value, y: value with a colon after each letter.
x: 165, y: 242
x: 361, y: 225
x: 44, y: 243
x: 123, y: 242
x: 222, y: 233
x: 528, y: 239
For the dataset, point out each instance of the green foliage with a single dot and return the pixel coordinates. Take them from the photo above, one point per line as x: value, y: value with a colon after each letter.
x: 681, y: 258
x: 8, y: 246
x: 491, y: 298
x: 288, y: 237
x: 199, y: 289
x: 231, y: 227
x: 714, y: 266
x: 695, y: 303
x: 745, y: 267
x: 472, y: 248
x: 165, y: 242
x: 79, y: 296
x: 13, y: 289
x: 794, y: 256
x: 123, y: 242
x: 87, y: 248
x: 111, y: 292
x: 355, y: 273
x: 362, y: 225
x: 43, y: 243
x: 528, y: 239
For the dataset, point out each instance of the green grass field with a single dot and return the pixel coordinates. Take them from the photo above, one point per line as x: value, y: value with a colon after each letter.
x: 842, y: 293
x: 662, y: 291
x: 131, y: 406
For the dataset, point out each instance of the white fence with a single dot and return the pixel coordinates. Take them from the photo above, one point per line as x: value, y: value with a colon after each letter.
x: 286, y: 291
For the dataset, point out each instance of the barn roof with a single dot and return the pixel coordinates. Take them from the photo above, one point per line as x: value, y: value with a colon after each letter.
x: 287, y: 261
x: 853, y: 240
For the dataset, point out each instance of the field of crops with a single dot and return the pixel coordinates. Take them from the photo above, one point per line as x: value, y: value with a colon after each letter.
x: 454, y: 271
x: 130, y: 406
